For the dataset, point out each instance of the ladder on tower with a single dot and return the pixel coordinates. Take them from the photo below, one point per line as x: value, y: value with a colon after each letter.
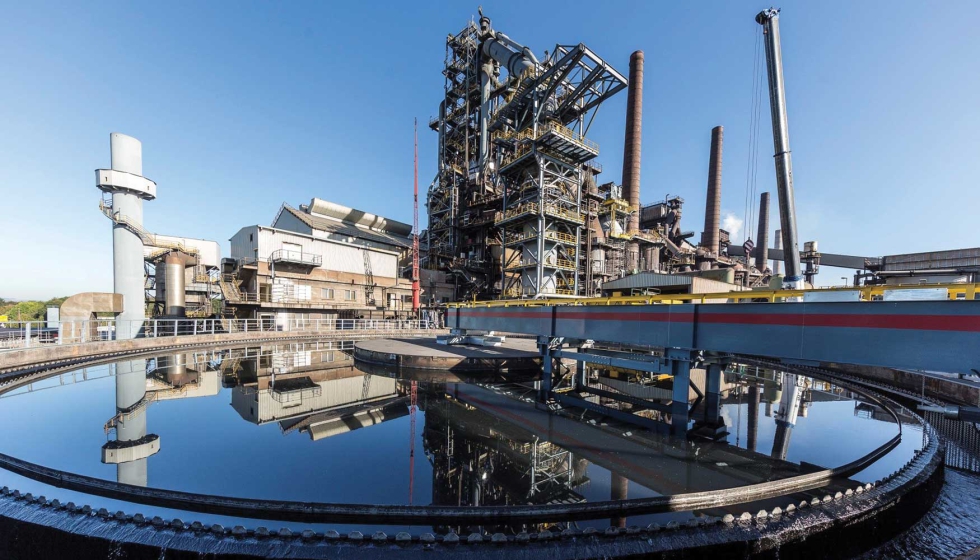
x: 368, y: 279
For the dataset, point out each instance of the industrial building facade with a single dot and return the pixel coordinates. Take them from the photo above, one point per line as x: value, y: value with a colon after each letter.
x: 322, y: 261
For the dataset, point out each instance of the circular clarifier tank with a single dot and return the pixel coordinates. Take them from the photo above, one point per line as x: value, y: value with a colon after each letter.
x: 303, y: 423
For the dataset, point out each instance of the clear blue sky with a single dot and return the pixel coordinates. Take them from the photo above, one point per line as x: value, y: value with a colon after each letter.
x: 242, y: 106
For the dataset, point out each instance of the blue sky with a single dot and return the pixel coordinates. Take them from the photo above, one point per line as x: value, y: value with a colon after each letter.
x: 242, y: 106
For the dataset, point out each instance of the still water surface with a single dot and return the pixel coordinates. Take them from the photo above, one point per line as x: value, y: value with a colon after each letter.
x: 304, y: 423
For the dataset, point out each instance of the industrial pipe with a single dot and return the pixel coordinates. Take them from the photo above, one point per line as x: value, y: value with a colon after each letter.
x: 710, y: 237
x: 174, y: 288
x: 769, y: 19
x: 631, y: 154
x: 762, y: 237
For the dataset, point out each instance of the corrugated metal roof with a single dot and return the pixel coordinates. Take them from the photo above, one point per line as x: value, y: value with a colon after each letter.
x: 328, y: 225
x: 694, y: 284
x: 648, y: 280
x: 957, y: 258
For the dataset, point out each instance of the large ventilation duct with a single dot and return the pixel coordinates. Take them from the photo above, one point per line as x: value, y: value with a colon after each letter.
x: 710, y: 237
x: 506, y: 52
x: 127, y: 247
x: 631, y: 154
x: 762, y: 238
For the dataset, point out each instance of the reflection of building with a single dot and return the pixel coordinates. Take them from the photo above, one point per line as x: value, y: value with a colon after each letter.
x: 317, y: 392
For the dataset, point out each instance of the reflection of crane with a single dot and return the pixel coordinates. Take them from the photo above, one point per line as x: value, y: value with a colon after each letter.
x: 412, y: 408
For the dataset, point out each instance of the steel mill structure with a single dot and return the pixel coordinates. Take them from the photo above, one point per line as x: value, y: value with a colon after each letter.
x: 516, y: 209
x: 515, y: 187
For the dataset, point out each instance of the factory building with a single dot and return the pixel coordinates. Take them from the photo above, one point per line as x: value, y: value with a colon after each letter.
x: 323, y: 261
x: 200, y: 278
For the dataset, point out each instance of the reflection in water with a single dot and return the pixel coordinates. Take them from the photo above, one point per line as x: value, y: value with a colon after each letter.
x: 789, y: 409
x: 481, y: 441
x: 132, y: 447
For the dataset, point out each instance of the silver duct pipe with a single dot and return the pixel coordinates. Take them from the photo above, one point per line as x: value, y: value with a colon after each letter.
x: 174, y: 288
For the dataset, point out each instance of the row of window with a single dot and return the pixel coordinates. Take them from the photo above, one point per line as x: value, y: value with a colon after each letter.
x: 347, y: 295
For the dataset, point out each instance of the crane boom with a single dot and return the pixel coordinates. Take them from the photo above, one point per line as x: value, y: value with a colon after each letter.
x: 769, y: 20
x: 416, y: 288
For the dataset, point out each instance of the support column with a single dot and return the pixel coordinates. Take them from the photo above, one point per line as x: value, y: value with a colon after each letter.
x: 712, y: 393
x: 544, y: 386
x: 680, y: 368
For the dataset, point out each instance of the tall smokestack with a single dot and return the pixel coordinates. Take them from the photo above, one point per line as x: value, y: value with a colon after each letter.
x: 762, y: 239
x: 712, y: 207
x: 778, y: 245
x: 631, y: 154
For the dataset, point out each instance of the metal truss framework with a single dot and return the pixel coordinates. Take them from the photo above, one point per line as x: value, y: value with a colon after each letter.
x: 509, y: 222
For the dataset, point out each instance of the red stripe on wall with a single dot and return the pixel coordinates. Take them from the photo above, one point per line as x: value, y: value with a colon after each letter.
x: 956, y: 323
x: 961, y: 323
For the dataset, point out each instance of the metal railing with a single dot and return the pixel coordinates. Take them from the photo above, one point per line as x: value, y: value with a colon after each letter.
x: 29, y: 334
x: 286, y: 255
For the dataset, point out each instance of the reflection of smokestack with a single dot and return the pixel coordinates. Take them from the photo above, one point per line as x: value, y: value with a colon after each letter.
x: 778, y: 245
x: 753, y: 428
x: 619, y: 487
x: 712, y: 207
x: 631, y: 153
x: 762, y: 239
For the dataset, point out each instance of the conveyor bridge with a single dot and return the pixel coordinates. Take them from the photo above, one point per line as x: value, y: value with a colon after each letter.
x: 923, y: 335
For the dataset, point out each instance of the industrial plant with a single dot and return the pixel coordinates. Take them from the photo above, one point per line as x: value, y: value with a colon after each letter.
x: 554, y: 366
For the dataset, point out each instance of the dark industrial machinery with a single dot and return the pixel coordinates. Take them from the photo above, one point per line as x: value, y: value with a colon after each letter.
x: 506, y: 207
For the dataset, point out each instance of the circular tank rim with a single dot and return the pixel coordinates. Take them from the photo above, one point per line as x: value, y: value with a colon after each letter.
x: 925, y: 466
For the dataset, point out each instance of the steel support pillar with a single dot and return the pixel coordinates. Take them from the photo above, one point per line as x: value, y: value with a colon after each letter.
x: 680, y: 368
x: 753, y: 426
x: 712, y: 394
x: 544, y: 386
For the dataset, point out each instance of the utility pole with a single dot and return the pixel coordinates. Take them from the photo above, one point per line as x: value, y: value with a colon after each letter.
x: 769, y: 20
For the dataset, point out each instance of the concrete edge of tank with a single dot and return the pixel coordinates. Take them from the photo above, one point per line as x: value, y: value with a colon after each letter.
x: 837, y: 528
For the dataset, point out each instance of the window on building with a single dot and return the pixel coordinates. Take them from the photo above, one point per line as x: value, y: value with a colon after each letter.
x: 250, y: 238
x: 326, y: 293
x: 350, y: 295
x: 406, y: 298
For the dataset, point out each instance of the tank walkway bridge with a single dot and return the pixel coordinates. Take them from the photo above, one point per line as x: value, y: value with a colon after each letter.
x: 931, y: 335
